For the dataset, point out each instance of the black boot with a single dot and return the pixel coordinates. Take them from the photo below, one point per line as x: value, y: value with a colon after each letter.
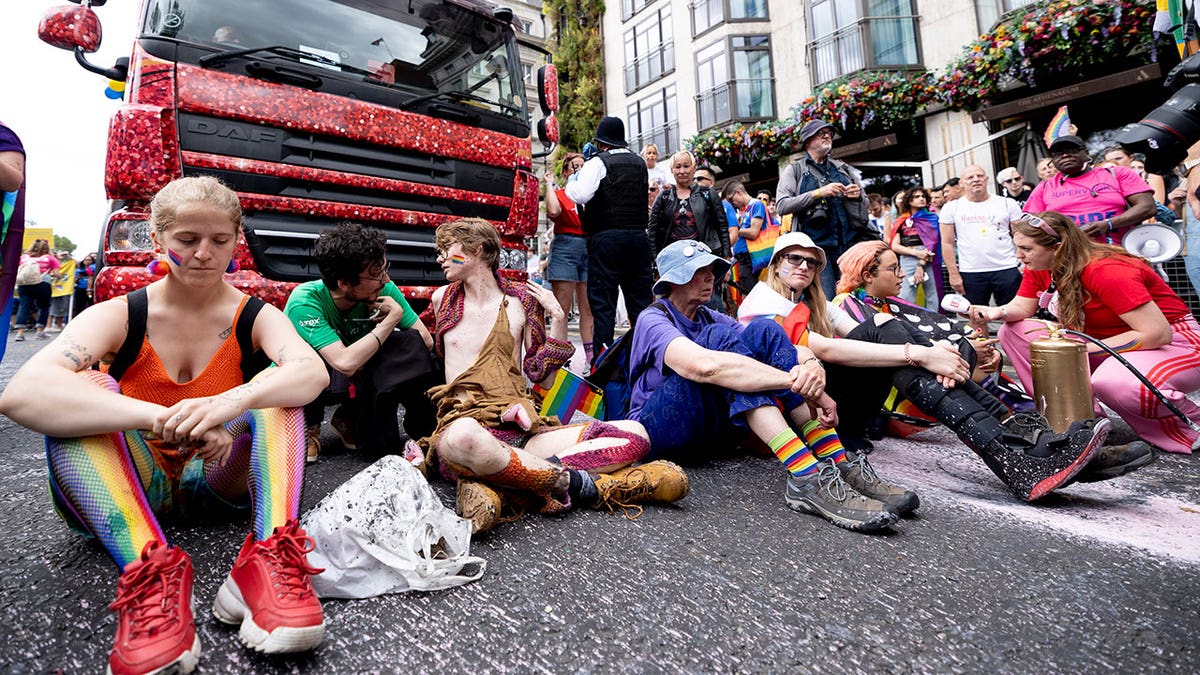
x: 1030, y: 467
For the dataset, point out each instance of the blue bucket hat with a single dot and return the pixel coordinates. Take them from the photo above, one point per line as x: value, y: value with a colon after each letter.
x: 680, y: 261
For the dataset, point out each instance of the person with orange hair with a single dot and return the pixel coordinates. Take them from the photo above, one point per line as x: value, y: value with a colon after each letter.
x: 1021, y: 449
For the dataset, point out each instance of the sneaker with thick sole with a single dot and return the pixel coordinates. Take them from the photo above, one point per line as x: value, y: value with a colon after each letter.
x: 156, y: 631
x: 343, y: 426
x: 1117, y: 460
x: 312, y: 443
x: 826, y: 494
x: 479, y: 504
x: 860, y: 475
x: 658, y: 482
x: 270, y: 594
x: 1033, y: 471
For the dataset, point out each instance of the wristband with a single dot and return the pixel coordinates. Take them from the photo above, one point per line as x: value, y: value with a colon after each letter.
x: 908, y: 357
x: 1004, y: 310
x: 377, y: 340
x: 1110, y: 227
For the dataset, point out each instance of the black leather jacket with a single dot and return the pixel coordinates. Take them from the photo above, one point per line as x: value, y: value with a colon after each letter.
x: 711, y: 223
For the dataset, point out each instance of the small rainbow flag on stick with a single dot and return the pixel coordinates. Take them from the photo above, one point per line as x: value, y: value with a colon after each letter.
x: 1060, y: 125
x: 569, y: 393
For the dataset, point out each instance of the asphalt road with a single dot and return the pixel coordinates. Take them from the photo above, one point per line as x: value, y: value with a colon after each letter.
x: 1098, y: 577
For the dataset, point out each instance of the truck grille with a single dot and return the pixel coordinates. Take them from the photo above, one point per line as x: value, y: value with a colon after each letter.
x: 282, y: 245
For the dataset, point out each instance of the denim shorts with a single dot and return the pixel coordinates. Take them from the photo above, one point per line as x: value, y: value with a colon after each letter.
x: 568, y: 258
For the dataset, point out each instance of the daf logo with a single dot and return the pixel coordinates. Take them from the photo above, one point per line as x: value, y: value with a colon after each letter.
x: 232, y: 131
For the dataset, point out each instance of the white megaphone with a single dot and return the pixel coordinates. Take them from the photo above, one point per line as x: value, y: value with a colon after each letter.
x: 1156, y: 243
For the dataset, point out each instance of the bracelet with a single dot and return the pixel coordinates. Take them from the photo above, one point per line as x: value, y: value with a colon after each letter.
x: 1110, y: 227
x: 811, y: 358
x: 377, y: 340
x: 1004, y: 309
x: 907, y: 356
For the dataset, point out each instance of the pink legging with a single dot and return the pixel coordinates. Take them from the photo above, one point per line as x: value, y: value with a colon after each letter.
x: 1174, y: 368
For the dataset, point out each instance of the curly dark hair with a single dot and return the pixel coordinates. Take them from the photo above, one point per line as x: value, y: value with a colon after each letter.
x: 347, y: 251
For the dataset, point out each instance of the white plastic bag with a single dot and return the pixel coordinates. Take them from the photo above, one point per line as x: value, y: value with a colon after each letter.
x: 385, y: 531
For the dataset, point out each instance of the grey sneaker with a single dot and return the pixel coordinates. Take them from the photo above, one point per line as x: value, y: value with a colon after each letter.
x: 1117, y: 460
x: 825, y: 494
x: 1027, y: 425
x: 860, y: 475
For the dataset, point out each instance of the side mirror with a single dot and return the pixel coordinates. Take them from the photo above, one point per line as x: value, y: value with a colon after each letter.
x: 70, y: 27
x: 548, y: 91
x: 547, y: 129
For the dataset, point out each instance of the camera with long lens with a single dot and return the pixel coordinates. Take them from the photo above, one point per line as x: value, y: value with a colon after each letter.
x: 1165, y: 135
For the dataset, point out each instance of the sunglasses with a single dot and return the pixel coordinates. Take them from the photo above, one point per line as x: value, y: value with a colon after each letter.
x: 796, y: 260
x: 1011, y: 180
x: 1040, y: 224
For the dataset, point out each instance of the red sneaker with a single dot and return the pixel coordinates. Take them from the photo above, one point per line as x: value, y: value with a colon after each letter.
x: 270, y: 594
x: 155, y: 628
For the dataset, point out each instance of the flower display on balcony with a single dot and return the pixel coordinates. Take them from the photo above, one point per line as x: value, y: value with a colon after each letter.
x: 1056, y: 37
x: 1052, y: 37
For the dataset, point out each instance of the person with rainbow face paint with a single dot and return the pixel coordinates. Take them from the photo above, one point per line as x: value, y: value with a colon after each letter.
x: 179, y: 423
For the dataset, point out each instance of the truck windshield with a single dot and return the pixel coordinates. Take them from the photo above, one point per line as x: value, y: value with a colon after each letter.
x: 432, y: 49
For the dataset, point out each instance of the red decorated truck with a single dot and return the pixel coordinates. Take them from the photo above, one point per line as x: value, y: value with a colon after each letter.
x: 399, y: 114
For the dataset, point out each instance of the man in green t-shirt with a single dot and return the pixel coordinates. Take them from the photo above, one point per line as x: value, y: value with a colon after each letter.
x: 372, y: 341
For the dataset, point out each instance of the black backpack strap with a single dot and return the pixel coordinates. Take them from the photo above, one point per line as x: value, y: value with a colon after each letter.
x: 254, y: 360
x: 135, y: 337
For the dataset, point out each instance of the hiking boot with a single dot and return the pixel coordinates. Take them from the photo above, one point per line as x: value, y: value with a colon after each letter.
x: 1027, y: 425
x: 1033, y: 471
x: 479, y: 504
x: 155, y: 628
x: 312, y: 443
x: 343, y: 426
x: 826, y: 494
x: 1117, y: 460
x: 658, y: 482
x: 270, y: 594
x: 860, y: 475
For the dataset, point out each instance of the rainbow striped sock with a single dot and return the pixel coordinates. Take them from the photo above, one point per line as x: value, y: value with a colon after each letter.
x: 825, y: 443
x: 276, y: 466
x: 795, y: 456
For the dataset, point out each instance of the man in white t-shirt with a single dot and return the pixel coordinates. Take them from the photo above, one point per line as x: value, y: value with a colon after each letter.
x: 977, y: 225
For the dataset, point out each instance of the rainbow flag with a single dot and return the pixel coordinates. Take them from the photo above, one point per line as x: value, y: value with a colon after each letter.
x: 571, y: 393
x: 762, y: 248
x: 1059, y: 126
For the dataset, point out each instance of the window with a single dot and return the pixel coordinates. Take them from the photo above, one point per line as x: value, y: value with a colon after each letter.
x: 735, y: 81
x: 649, y: 50
x: 526, y: 27
x: 655, y: 119
x: 709, y: 13
x: 527, y: 73
x: 631, y: 7
x: 989, y: 11
x: 852, y: 35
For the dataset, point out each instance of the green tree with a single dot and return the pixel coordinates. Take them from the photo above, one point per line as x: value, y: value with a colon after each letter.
x: 577, y: 53
x: 61, y: 243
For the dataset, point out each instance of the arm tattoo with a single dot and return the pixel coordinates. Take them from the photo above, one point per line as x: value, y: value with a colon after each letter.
x: 77, y: 355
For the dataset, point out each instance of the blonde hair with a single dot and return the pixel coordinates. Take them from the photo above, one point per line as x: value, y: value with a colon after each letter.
x: 856, y: 263
x: 164, y: 208
x: 1075, y: 251
x: 683, y: 154
x: 476, y: 235
x: 813, y: 296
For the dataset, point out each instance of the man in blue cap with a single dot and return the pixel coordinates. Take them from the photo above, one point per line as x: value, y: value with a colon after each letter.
x: 701, y: 383
x: 825, y: 197
x: 611, y: 191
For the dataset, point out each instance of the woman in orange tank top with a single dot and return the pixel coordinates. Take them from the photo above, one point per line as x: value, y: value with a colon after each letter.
x: 181, y: 425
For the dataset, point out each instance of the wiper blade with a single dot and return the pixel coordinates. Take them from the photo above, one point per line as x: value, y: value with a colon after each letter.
x: 455, y: 94
x: 280, y: 50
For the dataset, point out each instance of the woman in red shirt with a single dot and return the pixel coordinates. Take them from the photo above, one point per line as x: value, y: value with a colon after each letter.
x: 1116, y: 297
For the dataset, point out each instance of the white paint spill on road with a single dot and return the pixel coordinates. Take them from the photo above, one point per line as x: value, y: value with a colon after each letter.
x: 1128, y: 511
